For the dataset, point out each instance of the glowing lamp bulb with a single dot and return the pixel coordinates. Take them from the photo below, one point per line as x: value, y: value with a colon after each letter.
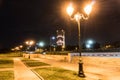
x: 88, y: 9
x: 70, y: 10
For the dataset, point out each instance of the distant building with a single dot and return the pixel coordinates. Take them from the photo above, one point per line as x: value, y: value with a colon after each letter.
x: 61, y: 38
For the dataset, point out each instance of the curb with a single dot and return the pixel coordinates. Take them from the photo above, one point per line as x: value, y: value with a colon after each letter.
x: 38, y: 75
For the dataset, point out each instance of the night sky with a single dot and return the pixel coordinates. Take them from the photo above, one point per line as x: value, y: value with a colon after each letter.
x: 21, y: 20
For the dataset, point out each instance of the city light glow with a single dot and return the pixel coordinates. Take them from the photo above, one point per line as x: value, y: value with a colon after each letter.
x: 41, y: 44
x: 89, y: 43
x: 53, y: 37
x: 88, y: 46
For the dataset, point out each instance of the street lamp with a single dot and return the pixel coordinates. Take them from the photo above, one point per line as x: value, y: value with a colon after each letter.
x: 78, y: 16
x: 29, y: 43
x: 41, y: 44
x: 52, y: 42
x: 21, y: 46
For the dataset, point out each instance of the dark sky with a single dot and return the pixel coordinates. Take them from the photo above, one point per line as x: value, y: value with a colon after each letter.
x: 21, y: 20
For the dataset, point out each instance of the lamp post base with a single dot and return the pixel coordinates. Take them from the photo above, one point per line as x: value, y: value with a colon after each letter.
x: 81, y: 72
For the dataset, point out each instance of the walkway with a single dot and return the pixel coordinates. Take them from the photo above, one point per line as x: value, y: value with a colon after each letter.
x: 22, y: 72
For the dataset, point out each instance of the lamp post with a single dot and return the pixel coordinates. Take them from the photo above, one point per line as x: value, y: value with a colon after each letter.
x: 21, y: 46
x: 78, y: 16
x: 29, y: 43
x: 41, y: 44
x: 52, y: 42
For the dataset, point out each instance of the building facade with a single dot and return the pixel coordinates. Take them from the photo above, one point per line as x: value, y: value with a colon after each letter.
x: 60, y: 39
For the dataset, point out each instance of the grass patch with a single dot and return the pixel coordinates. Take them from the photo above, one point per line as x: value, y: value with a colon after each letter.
x: 53, y: 73
x: 33, y: 63
x: 6, y: 75
x: 6, y: 63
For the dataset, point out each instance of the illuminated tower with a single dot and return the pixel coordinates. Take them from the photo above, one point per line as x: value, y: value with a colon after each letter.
x: 61, y: 39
